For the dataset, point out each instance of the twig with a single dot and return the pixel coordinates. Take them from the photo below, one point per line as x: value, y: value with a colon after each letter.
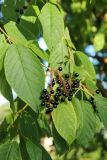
x: 9, y: 39
x: 17, y: 115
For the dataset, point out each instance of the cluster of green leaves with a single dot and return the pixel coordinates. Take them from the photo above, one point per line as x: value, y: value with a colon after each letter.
x: 21, y: 69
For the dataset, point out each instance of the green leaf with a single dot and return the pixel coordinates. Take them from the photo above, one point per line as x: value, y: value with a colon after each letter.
x: 23, y: 149
x: 3, y: 49
x: 89, y: 124
x: 57, y: 55
x: 65, y: 121
x: 18, y: 34
x: 41, y: 54
x: 36, y: 151
x: 2, y: 38
x: 87, y: 68
x: 28, y: 126
x: 60, y: 144
x: 79, y: 114
x: 43, y: 124
x: 25, y: 74
x: 5, y: 88
x: 10, y: 151
x: 99, y: 41
x: 101, y: 104
x: 52, y: 25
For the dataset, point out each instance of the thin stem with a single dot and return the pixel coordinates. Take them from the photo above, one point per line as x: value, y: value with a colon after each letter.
x: 87, y: 92
x: 17, y: 115
x: 87, y: 88
x: 77, y: 91
x: 9, y: 39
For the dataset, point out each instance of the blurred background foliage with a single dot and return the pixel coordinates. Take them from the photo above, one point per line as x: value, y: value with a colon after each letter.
x: 87, y: 23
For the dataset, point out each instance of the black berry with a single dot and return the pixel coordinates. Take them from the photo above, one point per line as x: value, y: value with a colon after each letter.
x: 43, y: 104
x: 97, y: 91
x: 18, y: 20
x: 58, y: 88
x: 49, y: 110
x: 56, y: 98
x: 52, y: 91
x: 91, y: 98
x: 69, y: 99
x: 64, y: 93
x: 42, y: 96
x: 60, y: 69
x: 59, y: 81
x: 76, y: 74
x: 44, y: 91
x: 91, y: 101
x: 67, y: 87
x: 47, y: 97
x: 77, y: 80
x: 53, y: 82
x: 66, y: 76
x: 17, y: 10
x: 47, y: 105
x: 63, y: 99
x: 55, y: 105
x: 52, y: 101
x: 59, y: 94
x: 70, y: 94
x: 24, y: 7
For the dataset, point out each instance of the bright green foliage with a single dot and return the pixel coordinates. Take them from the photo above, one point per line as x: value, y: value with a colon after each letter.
x: 10, y: 151
x: 25, y: 74
x: 85, y: 65
x: 22, y: 69
x: 58, y: 54
x: 102, y: 109
x: 53, y: 29
x: 60, y: 144
x: 89, y: 124
x: 79, y: 113
x: 38, y: 51
x: 65, y: 121
x: 20, y: 34
x: 3, y: 49
x: 36, y: 152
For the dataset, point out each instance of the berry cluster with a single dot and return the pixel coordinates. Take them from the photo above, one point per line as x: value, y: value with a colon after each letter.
x: 20, y: 12
x: 91, y: 100
x: 62, y: 87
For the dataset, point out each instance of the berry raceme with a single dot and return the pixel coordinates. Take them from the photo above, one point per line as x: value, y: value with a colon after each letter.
x: 61, y: 88
x: 91, y: 100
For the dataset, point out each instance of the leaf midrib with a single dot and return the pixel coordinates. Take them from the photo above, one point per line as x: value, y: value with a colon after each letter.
x: 25, y: 73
